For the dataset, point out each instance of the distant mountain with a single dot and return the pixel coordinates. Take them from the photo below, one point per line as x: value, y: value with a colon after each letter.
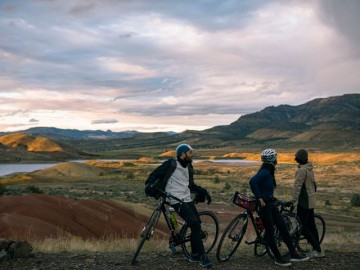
x: 61, y: 134
x: 322, y: 124
x: 330, y: 119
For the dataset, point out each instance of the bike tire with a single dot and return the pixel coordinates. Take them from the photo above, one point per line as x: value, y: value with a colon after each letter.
x: 209, y: 231
x: 303, y: 245
x: 294, y: 228
x: 147, y: 233
x: 231, y: 238
x: 260, y: 247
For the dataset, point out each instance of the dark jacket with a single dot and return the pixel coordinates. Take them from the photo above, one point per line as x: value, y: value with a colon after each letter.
x: 160, y: 176
x: 262, y: 184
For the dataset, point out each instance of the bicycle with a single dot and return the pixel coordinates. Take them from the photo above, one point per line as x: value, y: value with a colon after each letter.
x: 209, y: 228
x: 235, y: 231
x: 303, y: 244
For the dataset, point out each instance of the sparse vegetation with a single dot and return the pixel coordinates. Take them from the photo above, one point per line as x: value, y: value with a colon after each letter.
x: 355, y: 200
x: 33, y: 189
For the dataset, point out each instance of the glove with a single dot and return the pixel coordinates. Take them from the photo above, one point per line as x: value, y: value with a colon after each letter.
x: 208, y: 197
x: 199, y: 197
x: 150, y: 191
x: 204, y: 193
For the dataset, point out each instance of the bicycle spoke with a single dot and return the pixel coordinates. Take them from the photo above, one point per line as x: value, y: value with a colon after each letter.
x: 231, y: 238
x: 303, y: 244
x: 147, y: 233
x: 209, y: 233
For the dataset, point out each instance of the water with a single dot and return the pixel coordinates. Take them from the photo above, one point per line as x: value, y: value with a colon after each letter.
x: 6, y: 169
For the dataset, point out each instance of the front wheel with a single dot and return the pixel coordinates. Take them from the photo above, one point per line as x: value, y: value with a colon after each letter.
x: 303, y: 245
x: 209, y: 233
x: 147, y: 233
x: 260, y: 245
x: 231, y: 238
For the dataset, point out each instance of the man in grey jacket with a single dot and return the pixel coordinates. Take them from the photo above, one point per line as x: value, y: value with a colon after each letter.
x: 304, y: 194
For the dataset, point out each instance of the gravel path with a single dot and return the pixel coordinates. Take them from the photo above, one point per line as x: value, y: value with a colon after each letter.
x: 117, y: 260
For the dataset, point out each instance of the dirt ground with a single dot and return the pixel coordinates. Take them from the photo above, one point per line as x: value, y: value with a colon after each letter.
x: 112, y: 261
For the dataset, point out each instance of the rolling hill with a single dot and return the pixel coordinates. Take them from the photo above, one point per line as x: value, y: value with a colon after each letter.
x: 331, y: 124
x: 20, y: 146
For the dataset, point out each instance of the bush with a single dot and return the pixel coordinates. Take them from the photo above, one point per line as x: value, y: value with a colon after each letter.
x: 33, y: 189
x: 2, y: 190
x: 227, y: 186
x: 355, y: 200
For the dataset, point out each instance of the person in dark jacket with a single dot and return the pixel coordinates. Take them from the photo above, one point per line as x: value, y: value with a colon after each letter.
x: 263, y: 185
x: 176, y: 176
x: 304, y: 195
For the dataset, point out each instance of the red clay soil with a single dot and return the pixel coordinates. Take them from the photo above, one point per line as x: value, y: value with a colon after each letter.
x: 38, y: 216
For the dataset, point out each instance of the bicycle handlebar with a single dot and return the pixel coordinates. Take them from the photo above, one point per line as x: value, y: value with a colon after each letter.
x: 286, y: 206
x: 165, y: 194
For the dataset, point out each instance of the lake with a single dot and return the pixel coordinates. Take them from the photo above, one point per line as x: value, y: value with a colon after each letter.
x: 6, y: 169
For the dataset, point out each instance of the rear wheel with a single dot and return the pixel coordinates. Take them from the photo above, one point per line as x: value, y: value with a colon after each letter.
x: 303, y: 245
x: 147, y: 233
x: 231, y: 238
x: 209, y: 233
x: 294, y: 228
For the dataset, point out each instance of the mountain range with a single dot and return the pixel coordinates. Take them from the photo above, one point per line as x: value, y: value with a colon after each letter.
x: 331, y: 123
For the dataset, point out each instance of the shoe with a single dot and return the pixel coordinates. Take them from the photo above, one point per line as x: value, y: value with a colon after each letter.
x: 205, y: 262
x: 317, y: 254
x: 282, y: 262
x: 296, y: 257
x: 194, y: 258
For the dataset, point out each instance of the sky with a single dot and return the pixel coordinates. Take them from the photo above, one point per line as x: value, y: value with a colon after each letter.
x: 170, y: 65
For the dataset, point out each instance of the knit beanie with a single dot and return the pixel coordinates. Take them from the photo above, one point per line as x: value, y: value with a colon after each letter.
x: 182, y: 148
x: 302, y: 155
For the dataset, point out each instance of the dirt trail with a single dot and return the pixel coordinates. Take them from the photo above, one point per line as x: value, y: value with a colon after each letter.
x: 117, y: 260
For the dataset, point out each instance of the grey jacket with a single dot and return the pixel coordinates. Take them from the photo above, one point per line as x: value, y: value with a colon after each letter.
x: 304, y: 191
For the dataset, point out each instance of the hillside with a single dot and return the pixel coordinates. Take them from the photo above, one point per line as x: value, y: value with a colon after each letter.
x: 20, y: 147
x: 37, y: 216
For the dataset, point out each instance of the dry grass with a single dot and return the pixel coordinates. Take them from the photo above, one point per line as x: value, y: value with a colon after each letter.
x: 337, y: 175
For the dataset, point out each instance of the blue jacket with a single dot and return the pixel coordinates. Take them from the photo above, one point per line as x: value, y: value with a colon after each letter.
x: 262, y: 184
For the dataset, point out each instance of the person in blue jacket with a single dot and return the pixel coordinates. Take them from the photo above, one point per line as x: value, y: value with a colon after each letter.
x: 263, y: 185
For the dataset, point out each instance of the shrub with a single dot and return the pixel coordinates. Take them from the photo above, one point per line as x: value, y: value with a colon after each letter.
x: 2, y: 190
x: 227, y: 186
x: 217, y: 179
x: 130, y: 175
x: 33, y: 189
x: 355, y: 200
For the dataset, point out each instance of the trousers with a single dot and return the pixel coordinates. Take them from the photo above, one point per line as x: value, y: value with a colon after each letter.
x: 309, y: 229
x: 188, y: 212
x: 270, y: 216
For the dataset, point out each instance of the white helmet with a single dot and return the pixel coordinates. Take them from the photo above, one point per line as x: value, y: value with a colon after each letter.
x: 269, y: 155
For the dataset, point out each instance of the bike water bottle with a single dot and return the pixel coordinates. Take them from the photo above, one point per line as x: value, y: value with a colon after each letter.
x: 173, y: 217
x: 259, y: 224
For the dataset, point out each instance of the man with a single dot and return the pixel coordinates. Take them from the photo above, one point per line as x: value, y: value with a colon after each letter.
x: 176, y: 176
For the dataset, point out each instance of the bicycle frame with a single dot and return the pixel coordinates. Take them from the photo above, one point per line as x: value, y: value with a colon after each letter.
x: 183, y: 236
x: 258, y: 233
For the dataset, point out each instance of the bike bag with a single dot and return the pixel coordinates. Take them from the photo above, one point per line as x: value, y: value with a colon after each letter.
x: 245, y: 201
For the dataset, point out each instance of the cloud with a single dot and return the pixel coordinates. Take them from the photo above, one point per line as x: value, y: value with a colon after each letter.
x: 32, y: 120
x: 147, y: 61
x: 104, y: 121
